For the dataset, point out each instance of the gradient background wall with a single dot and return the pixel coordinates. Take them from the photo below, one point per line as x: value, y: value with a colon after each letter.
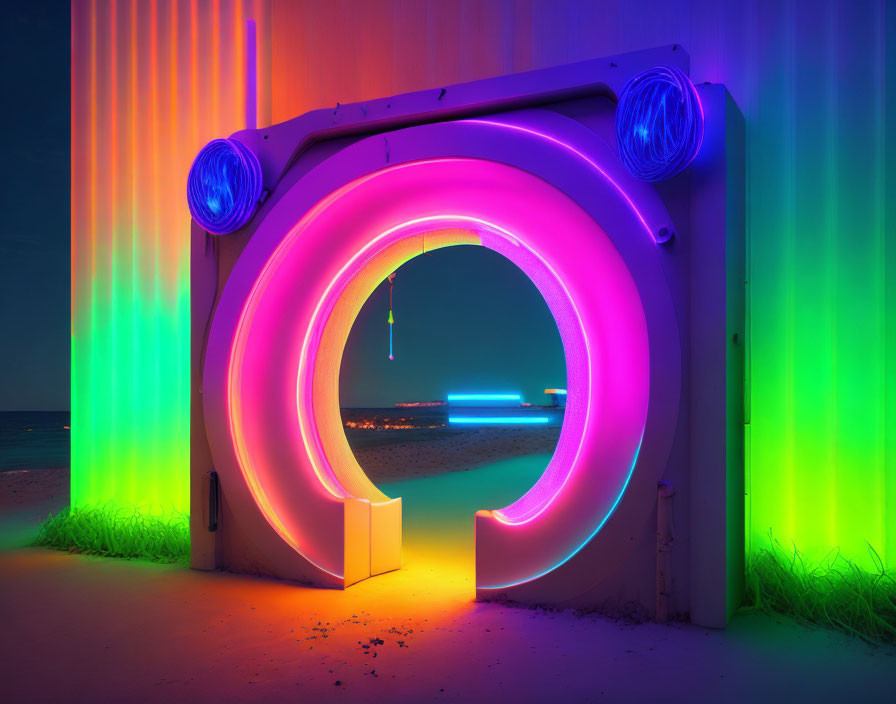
x: 151, y: 83
x: 815, y: 81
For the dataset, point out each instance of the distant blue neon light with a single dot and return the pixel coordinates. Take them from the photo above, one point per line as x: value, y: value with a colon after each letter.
x: 659, y: 123
x: 483, y: 397
x: 498, y: 420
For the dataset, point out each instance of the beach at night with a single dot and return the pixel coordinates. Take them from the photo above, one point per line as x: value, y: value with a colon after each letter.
x: 459, y: 351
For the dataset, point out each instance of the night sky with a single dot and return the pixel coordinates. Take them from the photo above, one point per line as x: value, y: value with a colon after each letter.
x: 34, y: 229
x: 466, y: 318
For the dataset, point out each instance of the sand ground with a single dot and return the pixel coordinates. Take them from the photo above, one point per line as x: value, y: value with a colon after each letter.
x: 389, y: 456
x: 26, y: 497
x: 80, y: 628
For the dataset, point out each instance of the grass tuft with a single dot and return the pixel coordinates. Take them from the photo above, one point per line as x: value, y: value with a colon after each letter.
x: 832, y: 592
x: 114, y: 531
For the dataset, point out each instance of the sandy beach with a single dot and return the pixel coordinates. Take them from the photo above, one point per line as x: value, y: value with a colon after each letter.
x: 414, y: 635
x: 394, y: 455
x: 84, y: 628
x: 27, y: 497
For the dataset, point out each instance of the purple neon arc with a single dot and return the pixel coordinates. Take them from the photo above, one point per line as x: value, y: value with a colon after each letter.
x: 659, y: 123
x: 224, y: 186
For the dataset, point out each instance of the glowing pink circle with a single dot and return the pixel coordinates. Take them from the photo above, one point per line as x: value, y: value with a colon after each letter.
x: 304, y: 255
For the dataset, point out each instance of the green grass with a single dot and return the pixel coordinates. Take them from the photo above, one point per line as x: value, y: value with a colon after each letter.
x: 831, y: 592
x: 113, y: 531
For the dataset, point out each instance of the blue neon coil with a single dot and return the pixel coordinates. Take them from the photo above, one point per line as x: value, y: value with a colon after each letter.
x: 224, y: 186
x: 659, y: 123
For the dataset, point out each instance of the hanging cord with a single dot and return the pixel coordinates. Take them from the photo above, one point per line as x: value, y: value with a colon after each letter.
x: 391, y: 319
x: 212, y: 240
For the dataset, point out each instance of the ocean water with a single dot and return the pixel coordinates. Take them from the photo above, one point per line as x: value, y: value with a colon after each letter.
x: 34, y: 439
x: 40, y: 439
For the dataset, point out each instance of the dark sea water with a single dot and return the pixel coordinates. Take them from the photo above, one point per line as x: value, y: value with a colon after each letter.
x: 40, y: 439
x: 34, y: 439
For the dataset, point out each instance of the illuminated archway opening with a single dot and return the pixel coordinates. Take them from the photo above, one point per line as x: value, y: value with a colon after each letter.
x: 467, y: 319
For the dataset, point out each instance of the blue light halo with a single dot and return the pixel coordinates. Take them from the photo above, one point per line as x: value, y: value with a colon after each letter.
x: 224, y: 186
x: 499, y: 420
x: 659, y: 123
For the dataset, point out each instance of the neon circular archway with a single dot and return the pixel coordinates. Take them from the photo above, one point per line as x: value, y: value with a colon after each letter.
x: 540, y: 190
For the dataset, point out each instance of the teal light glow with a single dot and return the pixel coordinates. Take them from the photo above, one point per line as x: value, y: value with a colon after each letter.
x: 483, y: 397
x: 498, y: 420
